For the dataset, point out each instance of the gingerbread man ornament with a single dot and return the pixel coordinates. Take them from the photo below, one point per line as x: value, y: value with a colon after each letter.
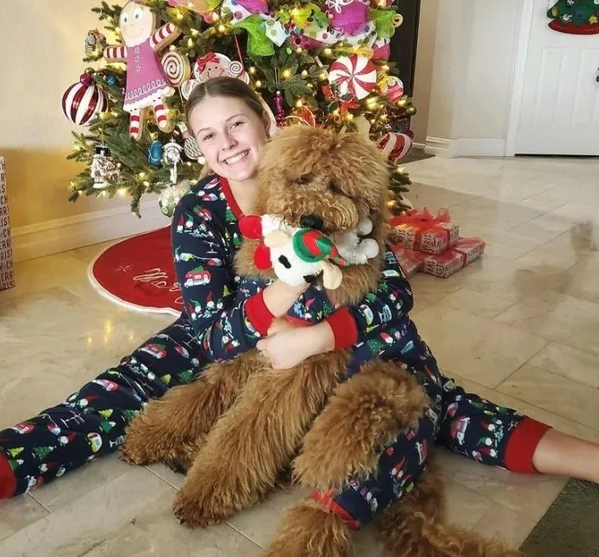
x: 147, y: 85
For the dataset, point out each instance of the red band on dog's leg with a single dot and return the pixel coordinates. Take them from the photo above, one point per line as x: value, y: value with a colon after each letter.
x: 326, y: 501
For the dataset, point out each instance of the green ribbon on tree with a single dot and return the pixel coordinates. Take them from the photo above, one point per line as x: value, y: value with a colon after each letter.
x: 310, y: 19
x: 383, y: 21
x: 258, y: 43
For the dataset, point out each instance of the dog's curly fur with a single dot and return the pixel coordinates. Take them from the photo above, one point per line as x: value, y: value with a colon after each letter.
x: 256, y: 420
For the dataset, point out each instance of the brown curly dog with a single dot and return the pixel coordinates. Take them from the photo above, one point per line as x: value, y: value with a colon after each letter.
x: 257, y: 419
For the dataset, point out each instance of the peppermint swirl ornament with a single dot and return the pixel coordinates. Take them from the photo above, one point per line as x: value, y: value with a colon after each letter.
x: 176, y: 67
x: 353, y: 76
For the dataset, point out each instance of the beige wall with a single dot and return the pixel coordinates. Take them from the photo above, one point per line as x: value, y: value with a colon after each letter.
x: 427, y: 32
x: 41, y: 55
x: 472, y: 73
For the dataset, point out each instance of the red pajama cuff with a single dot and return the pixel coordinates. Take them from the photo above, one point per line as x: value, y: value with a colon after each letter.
x: 258, y: 314
x: 8, y: 482
x: 345, y: 330
x: 325, y: 499
x: 522, y: 444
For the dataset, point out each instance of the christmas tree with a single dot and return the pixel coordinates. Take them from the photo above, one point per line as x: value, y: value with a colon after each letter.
x: 321, y: 63
x: 577, y: 17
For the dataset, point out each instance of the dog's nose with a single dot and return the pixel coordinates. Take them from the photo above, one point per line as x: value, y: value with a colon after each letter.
x: 312, y: 221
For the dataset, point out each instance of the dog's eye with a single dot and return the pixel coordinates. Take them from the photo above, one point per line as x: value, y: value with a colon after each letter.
x: 334, y: 188
x: 304, y: 179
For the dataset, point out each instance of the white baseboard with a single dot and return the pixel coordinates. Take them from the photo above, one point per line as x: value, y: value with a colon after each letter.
x: 465, y: 147
x: 438, y: 146
x: 47, y: 238
x: 478, y: 147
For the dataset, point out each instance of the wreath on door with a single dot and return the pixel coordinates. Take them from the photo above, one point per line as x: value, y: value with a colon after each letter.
x: 576, y: 17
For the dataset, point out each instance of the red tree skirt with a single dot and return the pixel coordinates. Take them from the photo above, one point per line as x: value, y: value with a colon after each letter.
x: 139, y: 274
x: 571, y: 29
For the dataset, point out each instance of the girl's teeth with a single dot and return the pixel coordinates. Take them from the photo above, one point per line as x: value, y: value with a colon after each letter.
x: 236, y: 158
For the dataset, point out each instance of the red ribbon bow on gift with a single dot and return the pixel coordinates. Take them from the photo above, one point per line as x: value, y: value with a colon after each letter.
x: 423, y: 220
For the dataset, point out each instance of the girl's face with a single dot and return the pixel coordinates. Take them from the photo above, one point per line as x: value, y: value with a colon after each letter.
x: 230, y: 136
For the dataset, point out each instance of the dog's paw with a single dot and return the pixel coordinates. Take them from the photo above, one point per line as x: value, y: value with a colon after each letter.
x: 136, y: 451
x: 310, y: 531
x: 177, y: 466
x: 196, y: 510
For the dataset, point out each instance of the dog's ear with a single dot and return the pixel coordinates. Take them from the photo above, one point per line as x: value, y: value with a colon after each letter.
x: 362, y: 164
x: 276, y: 239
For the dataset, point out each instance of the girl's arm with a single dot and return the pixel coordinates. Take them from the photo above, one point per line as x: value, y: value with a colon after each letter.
x: 388, y: 305
x: 225, y: 326
x: 382, y: 311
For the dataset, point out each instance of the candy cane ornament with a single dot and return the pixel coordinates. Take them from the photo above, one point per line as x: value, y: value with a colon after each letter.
x: 147, y: 85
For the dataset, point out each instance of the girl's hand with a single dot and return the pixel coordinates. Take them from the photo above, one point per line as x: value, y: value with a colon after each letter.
x: 293, y: 345
x: 280, y: 324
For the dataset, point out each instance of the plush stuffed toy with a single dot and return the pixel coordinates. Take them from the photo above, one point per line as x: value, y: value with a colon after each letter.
x: 299, y: 255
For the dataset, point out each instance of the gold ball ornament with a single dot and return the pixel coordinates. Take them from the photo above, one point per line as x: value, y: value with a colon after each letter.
x: 170, y: 197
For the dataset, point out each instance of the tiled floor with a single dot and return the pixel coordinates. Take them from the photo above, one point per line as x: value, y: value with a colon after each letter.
x: 520, y: 327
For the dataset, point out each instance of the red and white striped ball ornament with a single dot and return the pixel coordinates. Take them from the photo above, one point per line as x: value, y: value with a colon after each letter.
x: 395, y: 146
x: 83, y: 101
x: 354, y: 75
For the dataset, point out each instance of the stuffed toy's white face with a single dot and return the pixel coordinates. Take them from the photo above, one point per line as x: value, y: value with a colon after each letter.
x: 136, y: 23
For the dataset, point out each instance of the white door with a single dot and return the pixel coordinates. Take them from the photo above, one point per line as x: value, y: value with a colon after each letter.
x: 560, y: 102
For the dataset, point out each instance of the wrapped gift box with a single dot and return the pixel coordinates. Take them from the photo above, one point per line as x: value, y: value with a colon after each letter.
x: 409, y: 260
x: 421, y: 231
x: 7, y: 278
x: 455, y: 258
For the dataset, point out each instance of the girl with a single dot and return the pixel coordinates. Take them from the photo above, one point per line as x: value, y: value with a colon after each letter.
x: 225, y: 316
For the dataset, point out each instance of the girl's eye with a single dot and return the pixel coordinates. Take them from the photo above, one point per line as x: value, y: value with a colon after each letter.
x: 207, y: 137
x: 125, y: 19
x: 137, y: 13
x: 237, y: 124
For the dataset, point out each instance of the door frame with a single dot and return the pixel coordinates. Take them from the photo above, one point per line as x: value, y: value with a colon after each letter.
x: 521, y: 58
